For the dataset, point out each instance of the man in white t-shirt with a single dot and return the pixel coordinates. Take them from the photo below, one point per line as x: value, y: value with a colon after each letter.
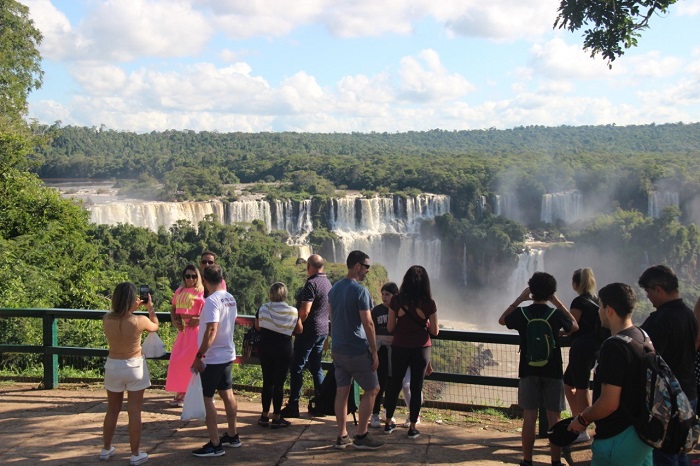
x: 214, y: 358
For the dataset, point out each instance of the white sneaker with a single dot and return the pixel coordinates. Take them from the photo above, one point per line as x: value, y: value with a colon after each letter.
x: 583, y: 437
x: 141, y: 458
x: 374, y: 421
x: 107, y: 454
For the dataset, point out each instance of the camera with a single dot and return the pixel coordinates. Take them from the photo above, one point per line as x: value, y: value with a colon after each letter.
x: 143, y: 293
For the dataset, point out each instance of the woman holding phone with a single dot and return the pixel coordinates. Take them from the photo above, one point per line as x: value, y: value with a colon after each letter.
x: 126, y: 369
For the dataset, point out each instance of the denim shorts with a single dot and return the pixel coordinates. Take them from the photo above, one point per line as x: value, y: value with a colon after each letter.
x: 127, y: 375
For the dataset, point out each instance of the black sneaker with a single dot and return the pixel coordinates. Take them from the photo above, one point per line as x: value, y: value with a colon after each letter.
x: 228, y: 441
x: 290, y: 411
x: 210, y: 450
x: 389, y: 428
x: 264, y: 421
x: 413, y: 433
x: 279, y: 423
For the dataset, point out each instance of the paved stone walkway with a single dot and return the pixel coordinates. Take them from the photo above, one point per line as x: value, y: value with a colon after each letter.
x: 64, y: 426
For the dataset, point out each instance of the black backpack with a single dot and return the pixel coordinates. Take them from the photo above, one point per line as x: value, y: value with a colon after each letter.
x: 323, y: 404
x: 666, y: 421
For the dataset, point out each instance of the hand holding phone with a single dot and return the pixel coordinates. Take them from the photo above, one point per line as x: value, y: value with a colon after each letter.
x: 144, y: 293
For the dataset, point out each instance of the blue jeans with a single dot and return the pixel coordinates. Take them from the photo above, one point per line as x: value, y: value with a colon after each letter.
x: 308, y: 351
x: 665, y: 459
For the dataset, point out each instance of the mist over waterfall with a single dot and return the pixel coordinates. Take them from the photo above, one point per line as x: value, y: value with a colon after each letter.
x: 659, y: 200
x: 563, y: 206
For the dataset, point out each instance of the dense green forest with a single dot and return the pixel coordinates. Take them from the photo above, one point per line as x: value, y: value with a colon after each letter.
x: 627, y: 161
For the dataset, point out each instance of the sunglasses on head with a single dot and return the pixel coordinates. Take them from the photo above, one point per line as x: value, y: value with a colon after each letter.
x: 193, y: 277
x: 206, y: 262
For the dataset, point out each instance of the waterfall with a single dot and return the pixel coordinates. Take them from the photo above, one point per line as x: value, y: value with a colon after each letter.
x: 153, y: 215
x: 387, y: 227
x: 659, y: 200
x: 506, y: 205
x: 529, y: 262
x: 565, y: 206
x: 465, y: 280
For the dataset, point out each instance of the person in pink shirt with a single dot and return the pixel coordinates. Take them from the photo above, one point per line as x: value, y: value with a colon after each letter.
x: 186, y: 305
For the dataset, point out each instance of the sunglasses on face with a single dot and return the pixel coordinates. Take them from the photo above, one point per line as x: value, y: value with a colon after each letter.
x: 206, y: 262
x: 366, y: 266
x: 190, y: 277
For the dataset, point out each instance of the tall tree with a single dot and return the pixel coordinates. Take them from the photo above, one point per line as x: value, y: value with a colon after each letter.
x: 20, y: 73
x: 615, y: 25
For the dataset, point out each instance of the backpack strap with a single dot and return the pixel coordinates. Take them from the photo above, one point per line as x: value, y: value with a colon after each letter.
x: 639, y: 348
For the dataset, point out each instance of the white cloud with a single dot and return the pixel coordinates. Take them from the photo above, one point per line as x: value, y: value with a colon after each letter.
x: 559, y: 60
x: 425, y: 79
x: 654, y: 65
x: 688, y: 7
x: 123, y: 31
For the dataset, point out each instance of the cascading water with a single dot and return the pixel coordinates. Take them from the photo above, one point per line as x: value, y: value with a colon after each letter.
x: 529, y: 262
x: 659, y: 200
x: 564, y: 206
x: 387, y: 228
x: 506, y: 205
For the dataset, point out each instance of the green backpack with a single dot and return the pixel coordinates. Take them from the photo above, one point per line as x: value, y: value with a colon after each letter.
x: 540, y: 340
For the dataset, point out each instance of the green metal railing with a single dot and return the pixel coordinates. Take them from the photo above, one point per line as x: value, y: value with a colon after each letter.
x: 50, y: 349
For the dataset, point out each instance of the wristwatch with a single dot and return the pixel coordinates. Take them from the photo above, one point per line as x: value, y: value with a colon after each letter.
x: 200, y: 355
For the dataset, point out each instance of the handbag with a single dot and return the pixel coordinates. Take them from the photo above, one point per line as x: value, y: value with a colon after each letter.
x: 251, y: 343
x: 193, y: 404
x: 153, y: 347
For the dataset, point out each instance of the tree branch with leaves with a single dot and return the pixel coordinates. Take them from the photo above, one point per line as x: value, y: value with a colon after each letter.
x: 613, y: 25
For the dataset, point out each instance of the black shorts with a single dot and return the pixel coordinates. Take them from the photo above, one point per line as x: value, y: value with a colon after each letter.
x: 581, y: 361
x: 216, y: 377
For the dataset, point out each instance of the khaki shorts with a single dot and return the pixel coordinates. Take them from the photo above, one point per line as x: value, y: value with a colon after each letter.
x: 127, y: 375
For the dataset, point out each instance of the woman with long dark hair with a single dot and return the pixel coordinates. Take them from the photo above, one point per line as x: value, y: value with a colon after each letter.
x: 186, y: 306
x: 412, y: 319
x: 126, y: 369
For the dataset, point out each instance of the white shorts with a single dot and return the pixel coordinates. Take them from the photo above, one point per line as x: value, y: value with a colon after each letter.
x: 127, y: 375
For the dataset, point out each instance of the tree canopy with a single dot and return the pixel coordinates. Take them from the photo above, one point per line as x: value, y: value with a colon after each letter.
x: 614, y: 25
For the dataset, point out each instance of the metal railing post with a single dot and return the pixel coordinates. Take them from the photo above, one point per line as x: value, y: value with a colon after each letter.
x: 50, y: 337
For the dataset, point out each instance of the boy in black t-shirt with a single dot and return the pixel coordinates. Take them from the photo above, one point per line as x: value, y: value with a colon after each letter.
x: 539, y: 382
x: 616, y: 387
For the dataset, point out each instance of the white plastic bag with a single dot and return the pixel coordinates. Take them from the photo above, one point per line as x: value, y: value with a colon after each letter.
x: 193, y: 405
x: 153, y: 346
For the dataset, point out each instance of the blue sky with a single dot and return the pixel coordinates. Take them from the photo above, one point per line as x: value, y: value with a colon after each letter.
x: 351, y: 65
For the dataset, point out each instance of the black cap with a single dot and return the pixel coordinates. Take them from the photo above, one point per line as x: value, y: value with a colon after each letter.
x: 559, y: 434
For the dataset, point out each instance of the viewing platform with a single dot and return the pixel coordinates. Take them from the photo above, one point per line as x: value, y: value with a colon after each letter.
x: 64, y: 426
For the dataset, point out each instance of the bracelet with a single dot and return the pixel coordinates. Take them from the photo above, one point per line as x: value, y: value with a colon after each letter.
x: 200, y: 356
x: 582, y: 420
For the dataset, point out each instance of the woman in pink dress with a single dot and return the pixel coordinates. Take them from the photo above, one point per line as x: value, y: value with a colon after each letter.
x: 187, y: 304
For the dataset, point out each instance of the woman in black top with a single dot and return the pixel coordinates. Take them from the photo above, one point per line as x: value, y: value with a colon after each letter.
x: 584, y: 344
